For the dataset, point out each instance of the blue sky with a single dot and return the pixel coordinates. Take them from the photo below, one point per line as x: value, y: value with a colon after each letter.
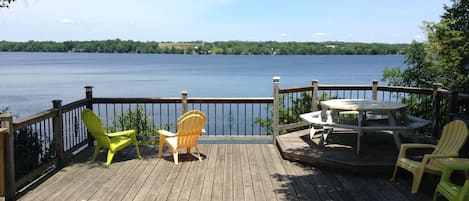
x: 397, y: 21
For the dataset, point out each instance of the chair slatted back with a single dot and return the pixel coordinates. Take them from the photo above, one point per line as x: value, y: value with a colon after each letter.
x: 95, y: 127
x: 453, y: 137
x: 190, y: 127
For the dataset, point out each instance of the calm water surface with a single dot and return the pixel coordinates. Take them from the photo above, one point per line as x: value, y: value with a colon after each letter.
x: 31, y: 80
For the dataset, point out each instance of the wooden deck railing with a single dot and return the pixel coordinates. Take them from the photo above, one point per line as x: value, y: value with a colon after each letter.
x: 54, y: 136
x: 57, y: 134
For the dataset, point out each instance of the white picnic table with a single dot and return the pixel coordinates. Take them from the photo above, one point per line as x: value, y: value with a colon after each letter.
x: 366, y: 111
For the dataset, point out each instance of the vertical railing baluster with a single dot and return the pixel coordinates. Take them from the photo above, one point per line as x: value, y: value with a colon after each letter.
x: 215, y: 119
x: 175, y: 115
x: 153, y: 116
x: 208, y: 119
x: 222, y: 119
x: 230, y: 120
x: 260, y: 118
x: 161, y: 116
x: 167, y: 116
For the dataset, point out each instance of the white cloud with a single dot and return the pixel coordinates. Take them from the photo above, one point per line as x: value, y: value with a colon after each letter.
x: 418, y: 37
x: 283, y: 35
x: 319, y: 34
x: 66, y: 21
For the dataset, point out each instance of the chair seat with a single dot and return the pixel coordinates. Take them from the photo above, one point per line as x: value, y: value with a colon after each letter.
x: 450, y: 189
x: 408, y: 164
x: 120, y: 141
x: 172, y: 141
x: 435, y: 167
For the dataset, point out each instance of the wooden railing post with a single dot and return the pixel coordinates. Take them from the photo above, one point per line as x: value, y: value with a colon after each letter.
x: 315, y: 100
x: 436, y: 110
x: 452, y: 103
x: 3, y: 133
x: 9, y: 157
x: 184, y: 101
x: 276, y: 109
x: 374, y: 90
x: 89, y: 105
x: 89, y: 96
x: 58, y: 133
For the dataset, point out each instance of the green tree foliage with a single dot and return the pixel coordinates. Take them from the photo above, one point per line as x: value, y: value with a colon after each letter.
x: 444, y: 58
x: 299, y: 105
x: 200, y: 47
x: 28, y: 149
x: 30, y: 152
x: 5, y: 3
x: 287, y: 115
x: 136, y: 120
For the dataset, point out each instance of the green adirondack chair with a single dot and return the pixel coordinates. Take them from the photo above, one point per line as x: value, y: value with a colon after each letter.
x: 111, y: 141
x: 448, y: 189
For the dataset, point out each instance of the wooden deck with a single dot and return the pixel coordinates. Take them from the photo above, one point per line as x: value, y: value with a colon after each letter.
x: 227, y: 172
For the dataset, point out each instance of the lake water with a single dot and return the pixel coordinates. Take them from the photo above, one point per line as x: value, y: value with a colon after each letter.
x: 31, y: 80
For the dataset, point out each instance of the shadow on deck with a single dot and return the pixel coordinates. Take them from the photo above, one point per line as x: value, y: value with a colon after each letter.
x: 227, y: 172
x: 378, y: 151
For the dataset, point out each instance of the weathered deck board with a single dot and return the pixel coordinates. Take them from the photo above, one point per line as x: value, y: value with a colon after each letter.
x: 238, y: 193
x: 227, y: 172
x: 264, y: 174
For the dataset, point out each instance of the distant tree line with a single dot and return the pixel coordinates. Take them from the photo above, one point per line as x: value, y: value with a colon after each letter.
x: 200, y: 47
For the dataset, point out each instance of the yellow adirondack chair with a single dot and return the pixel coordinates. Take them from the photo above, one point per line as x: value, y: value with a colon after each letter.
x: 449, y: 190
x: 190, y: 126
x: 112, y: 141
x: 453, y: 137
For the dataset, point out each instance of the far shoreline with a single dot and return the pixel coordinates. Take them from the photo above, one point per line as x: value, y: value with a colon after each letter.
x: 207, y: 48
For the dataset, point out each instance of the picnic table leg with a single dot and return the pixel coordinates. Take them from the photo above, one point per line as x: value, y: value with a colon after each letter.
x: 359, y: 134
x: 395, y: 133
x: 324, y: 135
x: 360, y: 118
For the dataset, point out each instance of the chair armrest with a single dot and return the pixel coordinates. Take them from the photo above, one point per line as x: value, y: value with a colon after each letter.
x: 453, y: 164
x: 427, y: 157
x: 465, y: 189
x: 404, y: 147
x: 417, y: 146
x: 166, y: 133
x: 457, y: 164
x: 440, y: 155
x: 121, y: 133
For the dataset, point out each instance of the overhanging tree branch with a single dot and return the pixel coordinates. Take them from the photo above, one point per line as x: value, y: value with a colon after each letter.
x: 5, y: 3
